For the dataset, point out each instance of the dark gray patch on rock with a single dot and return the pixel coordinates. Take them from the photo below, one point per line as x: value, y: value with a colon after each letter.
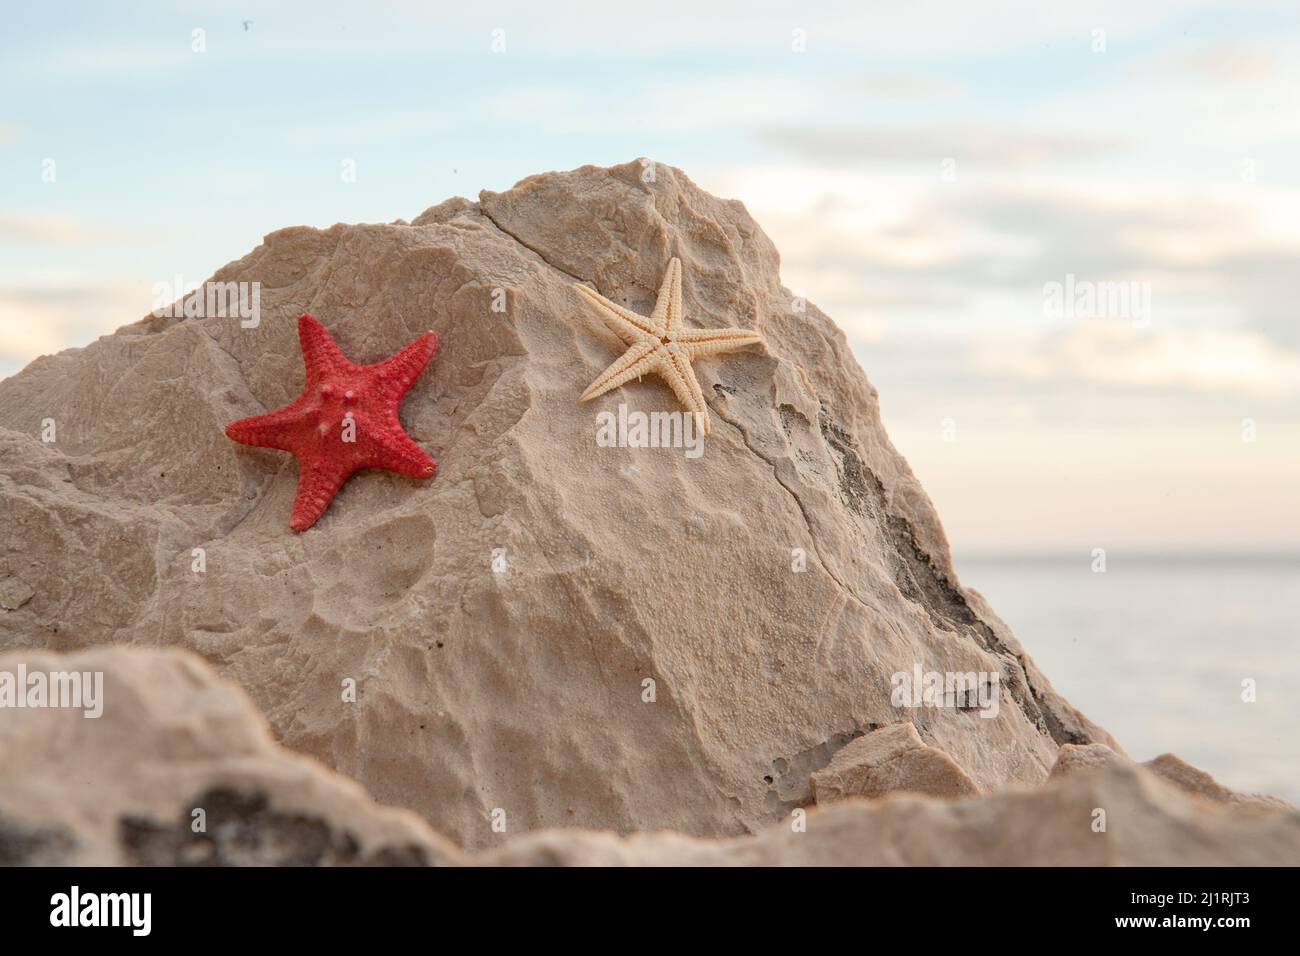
x: 241, y: 829
x: 22, y: 845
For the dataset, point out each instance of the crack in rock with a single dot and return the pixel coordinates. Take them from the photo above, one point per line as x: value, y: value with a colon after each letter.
x: 929, y: 588
x: 535, y: 251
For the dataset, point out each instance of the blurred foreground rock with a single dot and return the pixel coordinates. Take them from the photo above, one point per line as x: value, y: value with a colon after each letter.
x: 174, y: 739
x: 1168, y: 767
x: 179, y: 769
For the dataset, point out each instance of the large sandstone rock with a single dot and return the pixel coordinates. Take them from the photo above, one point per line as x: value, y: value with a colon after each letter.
x: 174, y: 738
x: 521, y: 691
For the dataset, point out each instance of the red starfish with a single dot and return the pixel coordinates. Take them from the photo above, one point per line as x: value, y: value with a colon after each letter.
x: 345, y: 419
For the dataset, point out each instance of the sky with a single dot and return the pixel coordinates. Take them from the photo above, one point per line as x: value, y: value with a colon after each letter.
x: 1062, y: 239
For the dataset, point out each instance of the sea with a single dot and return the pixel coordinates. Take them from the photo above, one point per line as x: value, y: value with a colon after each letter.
x: 1196, y: 655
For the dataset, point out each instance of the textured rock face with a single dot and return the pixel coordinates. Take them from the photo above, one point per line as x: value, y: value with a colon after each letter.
x: 172, y: 739
x: 1147, y: 823
x: 1168, y: 767
x: 893, y: 759
x: 502, y: 622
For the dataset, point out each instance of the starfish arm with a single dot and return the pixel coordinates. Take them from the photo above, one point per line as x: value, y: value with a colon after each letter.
x: 637, y: 361
x: 398, y: 372
x: 676, y: 370
x: 395, y: 450
x: 701, y: 342
x: 277, y: 429
x: 319, y: 352
x: 318, y: 483
x: 667, y: 316
x: 624, y: 323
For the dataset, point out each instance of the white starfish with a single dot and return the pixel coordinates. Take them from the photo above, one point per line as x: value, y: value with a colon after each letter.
x: 661, y: 344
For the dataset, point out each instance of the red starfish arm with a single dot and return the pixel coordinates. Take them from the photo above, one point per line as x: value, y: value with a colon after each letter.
x: 398, y: 372
x: 395, y: 451
x: 319, y: 352
x: 318, y: 481
x: 276, y: 429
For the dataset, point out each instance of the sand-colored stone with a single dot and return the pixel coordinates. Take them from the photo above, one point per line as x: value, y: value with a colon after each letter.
x: 1192, y: 779
x: 173, y: 738
x: 893, y: 759
x: 121, y: 789
x: 519, y: 690
x: 1073, y: 758
x: 1168, y: 767
x: 1147, y: 823
x: 1181, y: 774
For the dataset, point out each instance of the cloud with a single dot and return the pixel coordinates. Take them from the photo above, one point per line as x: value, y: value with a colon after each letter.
x: 963, y: 257
x: 1115, y: 353
x: 596, y: 29
x: 53, y: 230
x: 672, y: 106
x: 940, y: 288
x: 103, y: 59
x: 376, y: 127
x: 901, y: 86
x: 1231, y: 64
x: 990, y: 145
x: 57, y: 312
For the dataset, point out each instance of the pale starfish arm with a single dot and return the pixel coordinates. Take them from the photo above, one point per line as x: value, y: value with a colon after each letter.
x: 676, y: 370
x: 667, y: 316
x: 624, y: 323
x: 701, y: 342
x: 319, y: 352
x: 635, y: 362
x: 398, y: 372
x: 317, y: 485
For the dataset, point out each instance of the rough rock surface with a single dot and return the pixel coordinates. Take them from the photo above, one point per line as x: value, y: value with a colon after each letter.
x: 174, y: 737
x: 521, y: 689
x: 892, y: 759
x: 1169, y: 767
x: 123, y: 788
x: 1147, y: 823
